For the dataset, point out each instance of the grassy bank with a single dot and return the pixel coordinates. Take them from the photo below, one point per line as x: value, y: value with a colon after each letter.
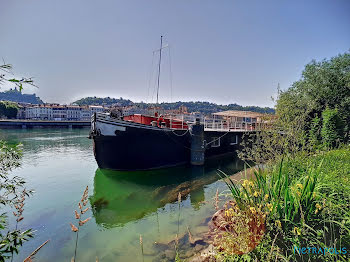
x: 294, y: 210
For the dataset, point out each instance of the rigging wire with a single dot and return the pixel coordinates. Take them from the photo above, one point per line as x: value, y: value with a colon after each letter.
x: 181, y: 134
x: 150, y: 77
x: 171, y: 77
x: 217, y: 138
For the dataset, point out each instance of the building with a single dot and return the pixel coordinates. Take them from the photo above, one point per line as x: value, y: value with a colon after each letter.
x: 38, y: 112
x: 85, y: 113
x: 240, y: 120
x: 96, y: 109
x: 58, y: 112
x: 73, y: 113
x: 21, y: 113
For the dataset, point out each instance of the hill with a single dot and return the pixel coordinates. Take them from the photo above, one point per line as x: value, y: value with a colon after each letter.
x: 16, y: 96
x: 106, y: 101
x: 208, y: 108
x: 198, y: 106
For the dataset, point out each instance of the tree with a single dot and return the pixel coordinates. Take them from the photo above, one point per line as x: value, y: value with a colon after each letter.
x: 314, y: 110
x: 8, y: 109
x: 12, y: 195
x: 6, y: 70
x: 332, y: 128
x: 12, y: 189
x: 324, y: 84
x: 315, y: 132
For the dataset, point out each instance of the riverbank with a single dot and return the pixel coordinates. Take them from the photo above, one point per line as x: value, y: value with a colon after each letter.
x: 18, y: 123
x: 304, y: 204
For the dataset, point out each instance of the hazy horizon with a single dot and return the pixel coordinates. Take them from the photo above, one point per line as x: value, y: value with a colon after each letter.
x: 222, y: 52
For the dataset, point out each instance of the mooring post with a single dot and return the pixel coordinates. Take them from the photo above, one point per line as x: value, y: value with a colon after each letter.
x: 197, y: 144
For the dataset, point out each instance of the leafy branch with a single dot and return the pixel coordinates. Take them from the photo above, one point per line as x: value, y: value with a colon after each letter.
x: 6, y: 71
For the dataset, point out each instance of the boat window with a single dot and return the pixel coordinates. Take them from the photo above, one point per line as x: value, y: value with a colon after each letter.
x: 215, y: 142
x: 234, y: 140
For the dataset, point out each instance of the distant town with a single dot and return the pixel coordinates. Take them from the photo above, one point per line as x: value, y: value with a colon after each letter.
x: 16, y: 105
x: 56, y: 112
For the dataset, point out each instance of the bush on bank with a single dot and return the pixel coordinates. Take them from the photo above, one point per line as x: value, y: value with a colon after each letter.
x: 306, y: 202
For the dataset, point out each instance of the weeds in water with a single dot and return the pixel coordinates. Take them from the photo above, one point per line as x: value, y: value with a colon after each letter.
x: 178, y: 216
x: 190, y: 237
x: 177, y: 255
x: 78, y: 216
x: 216, y: 200
x: 141, y: 245
x: 16, y: 234
x: 19, y: 207
x: 32, y: 255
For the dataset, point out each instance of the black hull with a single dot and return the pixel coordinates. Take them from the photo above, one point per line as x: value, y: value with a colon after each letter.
x: 142, y: 149
x: 139, y: 147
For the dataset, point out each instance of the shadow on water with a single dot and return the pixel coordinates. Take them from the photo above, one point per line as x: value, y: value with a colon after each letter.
x: 120, y: 197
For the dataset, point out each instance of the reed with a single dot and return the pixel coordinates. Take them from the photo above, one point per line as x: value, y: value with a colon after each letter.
x: 78, y: 216
x: 305, y: 202
x: 19, y: 206
x: 216, y: 200
x: 177, y: 256
x: 141, y: 245
x: 190, y: 237
x: 31, y: 256
x: 178, y: 216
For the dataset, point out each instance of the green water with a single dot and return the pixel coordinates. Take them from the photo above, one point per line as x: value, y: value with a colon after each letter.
x: 59, y: 164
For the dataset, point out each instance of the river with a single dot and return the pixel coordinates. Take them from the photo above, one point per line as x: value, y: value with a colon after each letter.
x: 59, y: 163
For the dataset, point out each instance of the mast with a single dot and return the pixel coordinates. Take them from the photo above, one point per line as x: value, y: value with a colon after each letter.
x: 160, y: 60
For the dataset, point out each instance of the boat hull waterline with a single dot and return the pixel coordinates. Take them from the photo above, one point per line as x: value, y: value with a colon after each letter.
x: 129, y: 146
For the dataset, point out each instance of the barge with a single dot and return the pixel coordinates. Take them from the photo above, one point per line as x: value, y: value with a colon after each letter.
x: 143, y: 142
x: 155, y: 140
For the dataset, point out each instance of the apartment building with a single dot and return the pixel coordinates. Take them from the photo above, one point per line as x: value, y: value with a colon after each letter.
x: 57, y: 112
x: 39, y: 112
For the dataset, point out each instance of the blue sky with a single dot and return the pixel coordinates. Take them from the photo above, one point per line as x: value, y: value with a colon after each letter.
x: 221, y: 51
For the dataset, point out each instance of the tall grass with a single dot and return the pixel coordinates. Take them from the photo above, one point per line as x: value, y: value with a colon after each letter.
x: 306, y: 203
x: 78, y: 216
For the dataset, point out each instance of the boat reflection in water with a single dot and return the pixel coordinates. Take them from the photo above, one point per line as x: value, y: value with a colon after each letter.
x: 120, y: 197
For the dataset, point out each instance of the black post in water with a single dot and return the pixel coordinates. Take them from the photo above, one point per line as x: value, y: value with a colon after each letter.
x: 197, y: 144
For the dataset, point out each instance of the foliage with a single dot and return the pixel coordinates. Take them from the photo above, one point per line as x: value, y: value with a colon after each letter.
x: 314, y: 108
x: 203, y: 107
x: 103, y: 101
x: 324, y: 84
x: 5, y: 72
x: 209, y: 108
x: 6, y: 76
x: 332, y: 128
x: 306, y: 202
x: 78, y: 216
x: 273, y: 142
x: 8, y: 109
x: 12, y: 194
x: 315, y: 132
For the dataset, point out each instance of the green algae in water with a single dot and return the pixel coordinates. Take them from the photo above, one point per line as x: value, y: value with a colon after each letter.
x: 59, y: 164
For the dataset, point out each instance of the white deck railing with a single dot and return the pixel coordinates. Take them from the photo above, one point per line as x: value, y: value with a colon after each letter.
x: 211, y: 124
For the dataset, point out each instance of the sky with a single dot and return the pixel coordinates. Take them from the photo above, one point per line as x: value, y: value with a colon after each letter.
x: 223, y: 51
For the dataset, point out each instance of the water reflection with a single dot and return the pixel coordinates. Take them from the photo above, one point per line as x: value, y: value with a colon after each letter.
x: 121, y: 197
x: 38, y: 140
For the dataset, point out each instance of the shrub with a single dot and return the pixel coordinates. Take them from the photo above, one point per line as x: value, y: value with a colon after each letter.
x: 332, y: 128
x: 306, y: 202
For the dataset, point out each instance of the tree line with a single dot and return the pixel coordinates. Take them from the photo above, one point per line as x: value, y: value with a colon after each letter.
x: 198, y: 106
x: 8, y: 109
